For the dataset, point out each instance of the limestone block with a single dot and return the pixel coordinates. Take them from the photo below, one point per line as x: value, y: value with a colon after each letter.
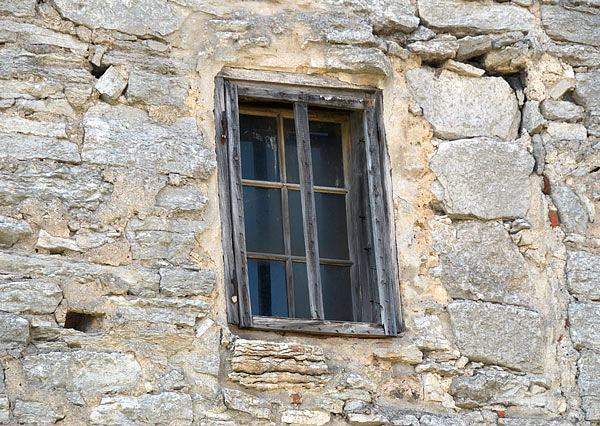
x: 471, y: 46
x: 571, y: 25
x: 437, y: 49
x: 12, y: 230
x: 181, y: 199
x: 563, y: 86
x: 305, y: 417
x: 572, y: 214
x: 359, y: 419
x: 344, y: 30
x: 29, y: 412
x: 479, y: 261
x: 161, y: 408
x: 463, y: 69
x: 497, y: 334
x: 246, y: 403
x: 4, y: 409
x: 405, y: 420
x: 18, y: 8
x: 135, y: 279
x: 266, y: 365
x: 353, y: 59
x: 82, y: 371
x: 533, y: 121
x: 587, y: 381
x: 14, y: 331
x: 35, y: 296
x: 164, y: 310
x: 587, y: 88
x: 55, y: 244
x: 143, y: 17
x: 584, y: 320
x: 182, y: 282
x: 32, y: 34
x: 386, y: 16
x: 27, y: 147
x: 15, y: 124
x: 482, y: 177
x: 489, y: 387
x: 591, y: 406
x: 467, y: 17
x: 533, y: 422
x: 421, y: 34
x: 76, y: 187
x: 562, y: 110
x: 157, y: 89
x: 429, y: 420
x: 112, y: 83
x: 508, y: 60
x: 126, y: 136
x: 430, y: 334
x: 458, y: 106
x: 407, y: 353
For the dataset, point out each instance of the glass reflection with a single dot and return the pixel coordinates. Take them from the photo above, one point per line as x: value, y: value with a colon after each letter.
x: 258, y: 142
x: 268, y: 293
x: 263, y: 221
x: 337, y: 294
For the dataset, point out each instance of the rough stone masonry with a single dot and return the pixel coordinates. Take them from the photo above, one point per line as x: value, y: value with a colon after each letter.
x: 112, y: 304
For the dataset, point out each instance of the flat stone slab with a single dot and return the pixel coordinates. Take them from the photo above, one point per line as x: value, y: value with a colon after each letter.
x: 468, y: 17
x: 12, y: 230
x: 354, y: 59
x: 588, y: 383
x: 483, y: 178
x: 583, y: 273
x: 14, y: 331
x: 479, y: 261
x: 34, y: 296
x: 460, y: 107
x: 571, y: 25
x: 584, y: 320
x: 495, y: 334
x: 126, y: 136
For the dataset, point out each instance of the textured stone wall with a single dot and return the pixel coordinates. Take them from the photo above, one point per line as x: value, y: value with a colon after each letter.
x: 112, y: 306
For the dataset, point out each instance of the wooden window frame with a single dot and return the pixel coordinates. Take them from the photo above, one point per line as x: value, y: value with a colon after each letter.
x: 365, y: 132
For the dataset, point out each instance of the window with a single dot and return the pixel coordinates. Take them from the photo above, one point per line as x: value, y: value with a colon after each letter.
x: 305, y: 199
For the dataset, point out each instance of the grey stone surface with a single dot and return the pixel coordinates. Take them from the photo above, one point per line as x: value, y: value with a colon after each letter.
x: 577, y: 55
x: 181, y: 199
x: 75, y: 187
x: 583, y: 274
x: 566, y: 131
x: 488, y: 387
x: 479, y: 261
x: 491, y: 182
x: 571, y: 25
x: 436, y: 50
x: 14, y: 331
x: 12, y: 230
x: 584, y: 320
x: 161, y: 408
x: 144, y: 17
x: 572, y: 214
x: 359, y: 419
x: 386, y: 16
x: 459, y: 107
x: 508, y: 60
x: 35, y: 296
x: 16, y: 124
x: 352, y: 59
x: 133, y: 278
x: 182, y: 283
x: 468, y: 17
x: 30, y: 412
x: 589, y: 371
x: 33, y: 34
x: 247, y: 403
x: 463, y: 69
x: 4, y: 409
x: 82, y: 371
x: 533, y: 121
x: 562, y: 110
x: 157, y: 89
x: 55, y: 244
x: 18, y: 7
x: 164, y: 310
x: 112, y: 83
x: 587, y: 89
x: 126, y: 136
x: 421, y: 34
x: 495, y: 334
x: 471, y: 46
x: 539, y: 154
x: 430, y: 420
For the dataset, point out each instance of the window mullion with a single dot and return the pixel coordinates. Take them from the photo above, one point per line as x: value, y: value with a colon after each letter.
x: 309, y: 215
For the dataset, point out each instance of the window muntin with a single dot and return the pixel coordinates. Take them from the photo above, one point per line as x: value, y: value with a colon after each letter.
x: 369, y: 216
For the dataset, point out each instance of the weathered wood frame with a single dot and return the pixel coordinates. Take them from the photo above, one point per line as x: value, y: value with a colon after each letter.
x: 374, y: 278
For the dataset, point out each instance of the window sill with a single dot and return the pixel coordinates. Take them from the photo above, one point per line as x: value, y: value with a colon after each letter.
x: 336, y: 328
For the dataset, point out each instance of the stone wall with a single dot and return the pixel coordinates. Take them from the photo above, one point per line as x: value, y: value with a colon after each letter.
x: 112, y: 306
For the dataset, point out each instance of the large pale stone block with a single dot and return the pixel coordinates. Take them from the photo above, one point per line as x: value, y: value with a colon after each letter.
x: 588, y: 383
x: 488, y: 387
x: 18, y: 8
x: 4, y: 409
x: 157, y: 89
x: 35, y: 296
x: 142, y: 17
x: 479, y: 261
x: 82, y: 371
x: 246, y: 403
x: 306, y: 417
x: 386, y: 16
x: 182, y: 282
x: 483, y: 178
x: 459, y: 107
x: 112, y: 83
x: 583, y: 273
x: 587, y: 88
x: 126, y: 136
x: 496, y: 334
x: 12, y: 230
x: 162, y: 408
x: 468, y: 17
x: 179, y: 199
x: 571, y: 25
x: 30, y: 412
x: 14, y: 331
x: 572, y: 214
x: 353, y: 59
x: 26, y: 147
x: 32, y: 34
x: 165, y: 310
x: 584, y: 320
x: 562, y: 110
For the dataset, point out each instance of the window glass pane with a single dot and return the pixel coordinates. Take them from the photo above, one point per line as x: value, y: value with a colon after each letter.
x: 301, y: 301
x: 291, y: 151
x: 296, y: 223
x: 258, y: 140
x: 262, y: 218
x: 337, y: 294
x: 268, y: 294
x: 327, y: 155
x: 331, y: 225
